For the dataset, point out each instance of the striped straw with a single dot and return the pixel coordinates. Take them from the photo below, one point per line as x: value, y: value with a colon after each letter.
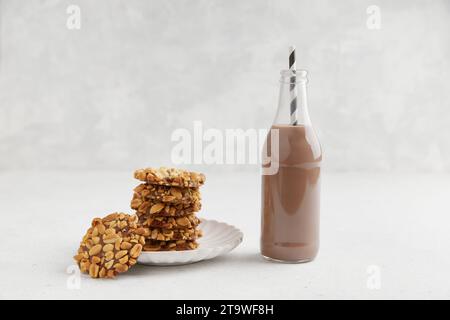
x: 293, y: 87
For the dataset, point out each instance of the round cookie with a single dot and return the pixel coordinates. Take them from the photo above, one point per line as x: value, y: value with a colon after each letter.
x: 171, y: 235
x: 156, y: 208
x: 184, y: 222
x: 180, y: 245
x: 166, y: 194
x: 111, y: 246
x: 170, y: 177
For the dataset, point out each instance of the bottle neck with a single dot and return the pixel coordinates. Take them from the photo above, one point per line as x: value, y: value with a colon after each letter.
x: 292, y: 103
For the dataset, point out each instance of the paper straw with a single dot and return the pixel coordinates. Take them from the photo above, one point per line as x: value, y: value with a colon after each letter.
x: 293, y: 87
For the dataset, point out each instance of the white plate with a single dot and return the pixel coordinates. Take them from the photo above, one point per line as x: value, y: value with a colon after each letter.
x: 218, y: 238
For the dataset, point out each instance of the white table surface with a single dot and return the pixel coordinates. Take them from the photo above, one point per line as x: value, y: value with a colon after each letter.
x: 398, y: 223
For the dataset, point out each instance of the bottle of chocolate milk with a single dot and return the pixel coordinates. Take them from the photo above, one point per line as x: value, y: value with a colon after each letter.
x: 292, y: 159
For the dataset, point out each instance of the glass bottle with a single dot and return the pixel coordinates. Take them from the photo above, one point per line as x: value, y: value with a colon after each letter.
x: 292, y: 160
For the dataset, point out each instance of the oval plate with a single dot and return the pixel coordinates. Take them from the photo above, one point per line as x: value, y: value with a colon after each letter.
x: 218, y: 238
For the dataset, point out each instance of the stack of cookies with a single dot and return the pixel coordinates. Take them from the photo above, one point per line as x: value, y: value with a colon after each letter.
x: 166, y: 203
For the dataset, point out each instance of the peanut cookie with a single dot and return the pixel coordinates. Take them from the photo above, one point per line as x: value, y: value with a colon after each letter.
x: 166, y: 194
x: 152, y: 207
x: 189, y: 221
x: 111, y: 246
x: 180, y: 245
x: 170, y: 235
x: 170, y: 177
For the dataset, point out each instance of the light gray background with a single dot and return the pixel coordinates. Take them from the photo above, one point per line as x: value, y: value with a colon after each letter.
x: 109, y: 95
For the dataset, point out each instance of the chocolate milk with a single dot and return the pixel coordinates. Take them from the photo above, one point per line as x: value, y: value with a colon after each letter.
x: 291, y: 197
